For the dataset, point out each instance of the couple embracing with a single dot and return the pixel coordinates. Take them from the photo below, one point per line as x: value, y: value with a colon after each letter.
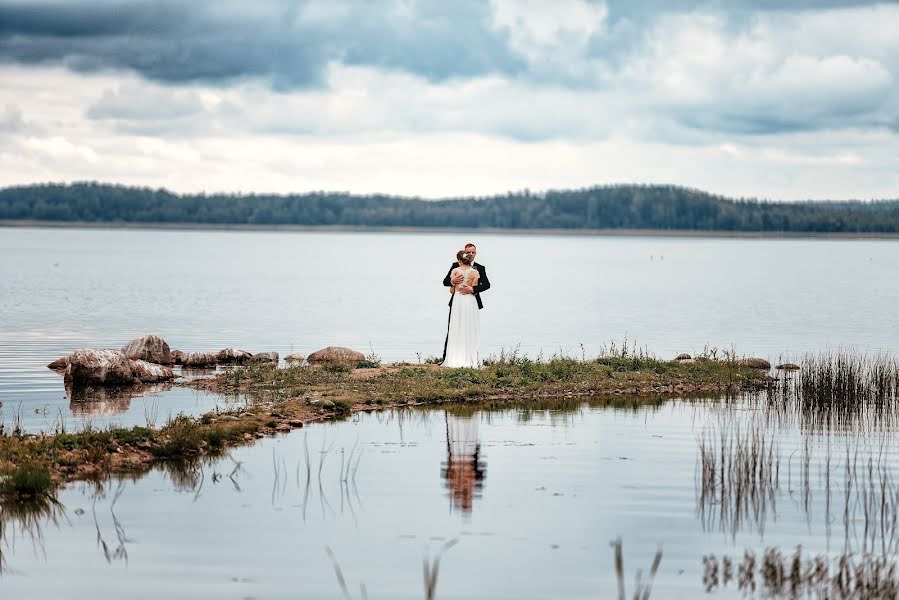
x: 466, y: 281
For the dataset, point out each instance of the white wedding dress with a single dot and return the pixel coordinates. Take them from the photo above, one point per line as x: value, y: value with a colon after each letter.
x: 464, y: 336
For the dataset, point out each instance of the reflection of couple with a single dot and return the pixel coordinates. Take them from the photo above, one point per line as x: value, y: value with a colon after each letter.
x: 466, y: 280
x: 463, y: 471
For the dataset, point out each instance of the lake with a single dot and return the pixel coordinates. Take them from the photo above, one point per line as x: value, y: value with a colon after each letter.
x: 381, y: 293
x: 516, y: 503
x: 530, y: 498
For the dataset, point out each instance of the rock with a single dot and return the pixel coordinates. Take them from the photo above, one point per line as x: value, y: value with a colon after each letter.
x: 788, y: 367
x: 683, y: 356
x: 150, y: 348
x: 198, y: 359
x: 296, y: 423
x: 231, y: 356
x: 149, y: 372
x: 178, y: 356
x: 265, y: 357
x: 685, y: 361
x: 754, y: 363
x: 294, y: 358
x: 98, y: 367
x: 59, y: 364
x: 335, y: 354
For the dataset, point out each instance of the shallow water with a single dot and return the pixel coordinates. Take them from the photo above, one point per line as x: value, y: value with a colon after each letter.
x: 532, y: 497
x: 381, y: 292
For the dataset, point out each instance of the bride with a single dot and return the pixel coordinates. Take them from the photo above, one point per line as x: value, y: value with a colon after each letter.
x: 464, y: 335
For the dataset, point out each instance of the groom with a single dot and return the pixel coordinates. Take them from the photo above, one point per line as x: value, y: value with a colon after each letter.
x: 452, y: 280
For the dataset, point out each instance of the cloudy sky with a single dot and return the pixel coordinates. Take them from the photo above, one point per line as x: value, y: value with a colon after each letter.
x: 781, y: 99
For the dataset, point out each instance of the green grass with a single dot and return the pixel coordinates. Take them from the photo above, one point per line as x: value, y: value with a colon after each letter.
x: 510, y: 374
x: 27, y: 481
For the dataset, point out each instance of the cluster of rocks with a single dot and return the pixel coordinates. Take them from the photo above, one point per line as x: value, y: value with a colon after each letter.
x: 149, y: 359
x: 752, y: 363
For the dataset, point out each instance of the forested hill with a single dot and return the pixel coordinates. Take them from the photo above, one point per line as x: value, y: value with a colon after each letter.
x: 607, y: 207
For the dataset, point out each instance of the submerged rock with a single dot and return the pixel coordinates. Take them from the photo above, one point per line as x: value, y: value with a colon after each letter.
x: 199, y: 359
x: 788, y: 367
x: 294, y: 358
x: 231, y: 355
x: 264, y: 357
x: 98, y: 367
x: 148, y: 372
x: 755, y: 363
x: 335, y: 354
x: 59, y: 364
x: 150, y: 348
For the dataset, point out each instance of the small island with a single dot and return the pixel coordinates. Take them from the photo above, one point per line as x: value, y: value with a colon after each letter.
x: 337, y: 382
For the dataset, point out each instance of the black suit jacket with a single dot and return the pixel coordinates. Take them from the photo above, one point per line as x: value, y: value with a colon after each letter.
x: 482, y: 286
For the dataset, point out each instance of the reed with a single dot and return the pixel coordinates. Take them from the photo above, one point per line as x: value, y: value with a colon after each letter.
x: 775, y: 575
x: 642, y: 589
x: 738, y: 475
x: 839, y: 390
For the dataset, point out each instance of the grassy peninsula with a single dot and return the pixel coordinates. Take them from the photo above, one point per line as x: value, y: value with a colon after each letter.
x: 281, y: 399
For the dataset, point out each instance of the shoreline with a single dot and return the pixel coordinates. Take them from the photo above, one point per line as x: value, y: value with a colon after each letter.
x: 650, y: 233
x: 291, y: 398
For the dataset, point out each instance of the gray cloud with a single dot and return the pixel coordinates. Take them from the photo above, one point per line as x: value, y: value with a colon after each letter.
x: 288, y: 43
x: 566, y: 70
x: 11, y: 120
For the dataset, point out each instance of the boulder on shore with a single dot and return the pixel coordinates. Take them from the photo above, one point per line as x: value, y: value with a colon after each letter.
x: 149, y: 372
x: 683, y: 356
x: 265, y: 357
x: 150, y: 348
x: 335, y: 354
x: 177, y: 357
x: 787, y: 367
x: 198, y: 359
x: 231, y: 355
x: 98, y: 367
x: 294, y: 358
x: 754, y: 363
x: 59, y: 364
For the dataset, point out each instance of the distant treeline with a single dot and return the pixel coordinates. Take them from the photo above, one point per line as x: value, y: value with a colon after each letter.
x: 657, y: 207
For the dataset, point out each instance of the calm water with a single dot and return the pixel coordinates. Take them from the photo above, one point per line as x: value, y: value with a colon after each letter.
x: 298, y: 292
x: 532, y: 498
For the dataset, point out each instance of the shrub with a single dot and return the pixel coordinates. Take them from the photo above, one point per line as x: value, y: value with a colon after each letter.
x: 28, y: 480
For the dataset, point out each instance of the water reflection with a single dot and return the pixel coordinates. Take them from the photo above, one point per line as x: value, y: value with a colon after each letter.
x: 844, y: 479
x: 108, y: 401
x: 114, y: 547
x: 26, y: 519
x: 463, y: 470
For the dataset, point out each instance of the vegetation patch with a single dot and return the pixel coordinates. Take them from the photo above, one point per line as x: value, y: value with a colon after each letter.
x: 278, y: 400
x: 27, y: 481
